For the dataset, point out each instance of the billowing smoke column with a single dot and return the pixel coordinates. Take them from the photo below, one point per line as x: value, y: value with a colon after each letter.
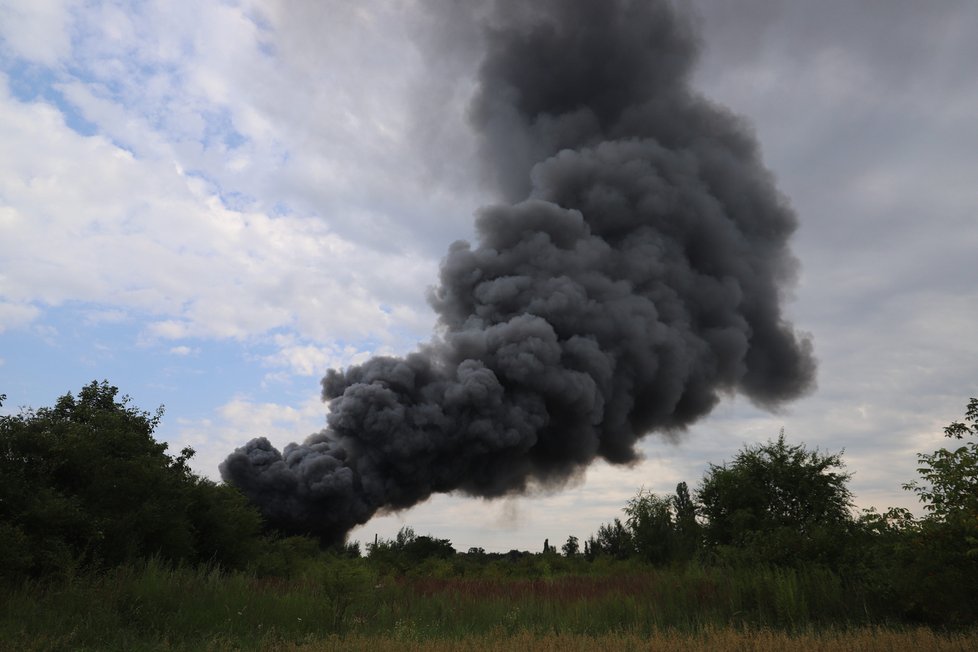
x: 635, y: 279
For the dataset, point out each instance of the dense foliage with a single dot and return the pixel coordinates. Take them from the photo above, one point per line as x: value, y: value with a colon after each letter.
x: 784, y: 505
x: 778, y: 503
x: 85, y: 488
x: 949, y: 480
x: 85, y: 483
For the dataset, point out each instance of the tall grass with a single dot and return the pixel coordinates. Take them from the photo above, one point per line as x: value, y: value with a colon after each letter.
x: 689, y: 597
x: 719, y: 640
x: 346, y: 604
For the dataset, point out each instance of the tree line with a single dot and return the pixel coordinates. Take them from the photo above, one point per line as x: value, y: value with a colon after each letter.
x: 84, y: 485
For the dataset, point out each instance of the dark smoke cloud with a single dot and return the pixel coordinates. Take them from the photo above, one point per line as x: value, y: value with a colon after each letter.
x: 635, y: 280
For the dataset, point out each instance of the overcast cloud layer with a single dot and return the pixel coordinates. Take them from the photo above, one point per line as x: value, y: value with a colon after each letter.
x: 210, y: 204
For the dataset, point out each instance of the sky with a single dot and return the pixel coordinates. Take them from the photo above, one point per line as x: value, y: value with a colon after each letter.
x: 210, y: 204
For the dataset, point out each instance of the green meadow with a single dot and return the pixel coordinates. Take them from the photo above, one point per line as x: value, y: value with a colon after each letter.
x: 341, y: 603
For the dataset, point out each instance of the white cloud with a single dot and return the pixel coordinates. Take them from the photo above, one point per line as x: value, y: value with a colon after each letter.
x: 39, y: 30
x: 86, y: 221
x: 97, y: 317
x: 239, y: 420
x: 313, y: 360
x: 320, y: 224
x: 15, y: 315
x: 184, y: 351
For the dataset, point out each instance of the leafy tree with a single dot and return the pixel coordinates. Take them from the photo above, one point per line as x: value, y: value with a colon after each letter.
x: 663, y: 529
x: 941, y: 568
x: 650, y: 523
x: 408, y: 548
x: 350, y: 549
x: 571, y: 547
x: 404, y: 537
x: 85, y: 482
x: 614, y: 540
x: 685, y: 507
x: 428, y: 547
x: 778, y: 502
x: 591, y: 548
x: 949, y: 486
x: 687, y: 528
x: 225, y: 526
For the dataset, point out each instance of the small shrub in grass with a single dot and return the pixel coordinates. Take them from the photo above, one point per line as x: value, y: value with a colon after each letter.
x: 341, y: 584
x: 286, y: 557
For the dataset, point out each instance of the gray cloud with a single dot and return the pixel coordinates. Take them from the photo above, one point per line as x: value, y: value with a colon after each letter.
x: 865, y: 111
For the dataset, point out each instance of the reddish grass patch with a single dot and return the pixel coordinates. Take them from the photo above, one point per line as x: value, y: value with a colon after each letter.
x: 560, y: 589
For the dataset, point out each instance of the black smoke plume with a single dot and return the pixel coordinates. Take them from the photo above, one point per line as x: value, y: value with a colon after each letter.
x: 635, y: 278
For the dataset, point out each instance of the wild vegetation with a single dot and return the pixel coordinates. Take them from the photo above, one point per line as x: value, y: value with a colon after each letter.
x: 112, y: 543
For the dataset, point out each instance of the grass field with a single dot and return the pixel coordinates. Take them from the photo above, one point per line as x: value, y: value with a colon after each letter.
x: 348, y: 605
x: 720, y: 640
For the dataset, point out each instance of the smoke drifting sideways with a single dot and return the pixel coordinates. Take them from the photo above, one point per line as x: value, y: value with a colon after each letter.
x: 633, y: 278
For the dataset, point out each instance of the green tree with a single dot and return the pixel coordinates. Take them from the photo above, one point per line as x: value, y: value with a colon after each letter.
x: 649, y: 518
x: 408, y: 548
x: 613, y: 539
x: 941, y: 570
x: 687, y: 528
x: 571, y: 547
x: 428, y: 547
x: 663, y: 529
x: 949, y: 478
x: 591, y: 548
x: 226, y: 527
x: 85, y: 482
x: 779, y: 503
x: 404, y: 537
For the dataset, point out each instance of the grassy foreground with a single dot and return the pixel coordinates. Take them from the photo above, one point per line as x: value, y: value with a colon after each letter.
x: 347, y: 605
x: 721, y: 640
